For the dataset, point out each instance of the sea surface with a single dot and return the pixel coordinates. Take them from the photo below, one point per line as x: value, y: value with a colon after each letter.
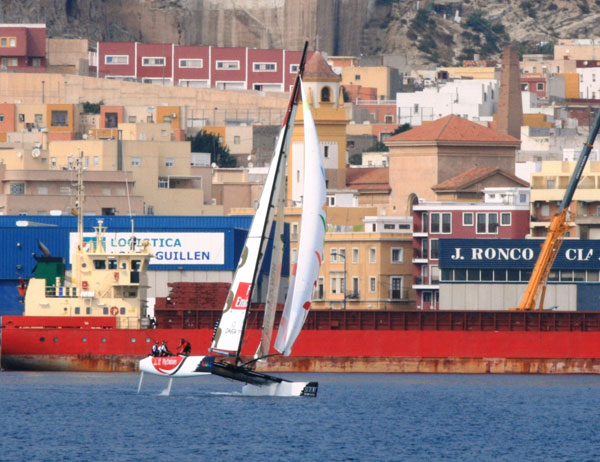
x: 356, y: 417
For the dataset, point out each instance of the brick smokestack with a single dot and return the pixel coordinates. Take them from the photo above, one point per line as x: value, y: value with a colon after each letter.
x: 510, y: 110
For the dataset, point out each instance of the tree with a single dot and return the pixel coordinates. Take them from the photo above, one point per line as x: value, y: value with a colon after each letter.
x: 401, y: 128
x: 377, y: 147
x: 355, y: 159
x: 91, y: 108
x: 204, y: 141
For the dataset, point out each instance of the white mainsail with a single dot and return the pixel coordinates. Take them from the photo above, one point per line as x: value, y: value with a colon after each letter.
x: 228, y: 334
x: 312, y: 234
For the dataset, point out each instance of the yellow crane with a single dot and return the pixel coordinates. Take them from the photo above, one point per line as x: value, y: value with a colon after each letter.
x: 536, y: 288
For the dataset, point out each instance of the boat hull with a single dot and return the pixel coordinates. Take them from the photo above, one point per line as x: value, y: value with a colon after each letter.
x: 442, y: 342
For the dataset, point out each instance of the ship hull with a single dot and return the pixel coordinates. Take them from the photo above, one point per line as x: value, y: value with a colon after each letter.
x: 411, y: 342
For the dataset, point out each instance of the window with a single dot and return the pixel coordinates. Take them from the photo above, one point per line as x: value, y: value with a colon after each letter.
x: 395, y: 287
x: 36, y: 62
x: 150, y: 210
x: 17, y: 188
x: 320, y: 289
x: 136, y: 161
x: 389, y: 226
x: 434, y: 249
x: 154, y: 61
x: 435, y: 274
x: 545, y: 210
x: 96, y: 160
x: 325, y: 94
x: 331, y: 201
x: 333, y: 254
x: 487, y: 223
x: 397, y: 255
x: 237, y: 140
x: 388, y: 119
x: 293, y: 68
x: 8, y: 42
x: 540, y: 86
x: 163, y: 182
x: 505, y: 219
x: 64, y: 191
x: 1, y: 117
x: 355, y: 284
x: 228, y: 65
x: 264, y: 67
x: 43, y: 190
x: 342, y: 254
x: 116, y: 59
x: 193, y: 63
x: 372, y: 255
x: 100, y: 264
x: 467, y: 218
x: 169, y: 162
x: 59, y: 118
x: 38, y: 119
x: 131, y: 119
x: 333, y: 285
x: 355, y: 255
x: 441, y: 223
x: 325, y: 152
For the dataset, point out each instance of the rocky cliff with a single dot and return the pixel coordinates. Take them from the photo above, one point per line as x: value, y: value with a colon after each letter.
x: 340, y: 27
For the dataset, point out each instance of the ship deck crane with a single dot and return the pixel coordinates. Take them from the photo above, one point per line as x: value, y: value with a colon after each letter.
x: 536, y: 288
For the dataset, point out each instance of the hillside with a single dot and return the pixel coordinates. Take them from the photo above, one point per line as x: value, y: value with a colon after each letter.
x: 340, y: 27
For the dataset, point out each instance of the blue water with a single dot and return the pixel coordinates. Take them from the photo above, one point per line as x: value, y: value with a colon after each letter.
x: 358, y: 417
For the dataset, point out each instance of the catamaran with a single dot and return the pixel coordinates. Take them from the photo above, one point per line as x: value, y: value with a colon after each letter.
x: 228, y: 337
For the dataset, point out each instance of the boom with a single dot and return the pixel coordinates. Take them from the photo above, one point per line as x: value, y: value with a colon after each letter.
x: 557, y: 231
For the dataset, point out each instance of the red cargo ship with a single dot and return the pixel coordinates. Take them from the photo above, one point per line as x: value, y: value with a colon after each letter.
x: 331, y: 341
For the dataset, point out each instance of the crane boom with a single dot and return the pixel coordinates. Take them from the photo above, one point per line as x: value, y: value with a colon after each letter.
x: 557, y: 230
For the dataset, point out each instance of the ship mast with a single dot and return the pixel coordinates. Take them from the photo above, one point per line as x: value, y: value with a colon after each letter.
x: 79, y: 203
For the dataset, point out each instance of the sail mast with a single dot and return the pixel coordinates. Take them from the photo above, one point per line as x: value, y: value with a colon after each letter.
x: 284, y: 134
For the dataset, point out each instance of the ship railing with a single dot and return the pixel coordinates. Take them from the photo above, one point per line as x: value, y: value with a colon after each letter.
x: 61, y: 292
x: 402, y: 319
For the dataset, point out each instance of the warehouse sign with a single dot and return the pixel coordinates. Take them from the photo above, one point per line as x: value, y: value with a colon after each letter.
x: 516, y: 253
x: 167, y: 248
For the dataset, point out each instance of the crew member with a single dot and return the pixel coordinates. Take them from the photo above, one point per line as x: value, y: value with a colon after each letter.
x: 184, y: 348
x: 155, y: 349
x: 164, y: 350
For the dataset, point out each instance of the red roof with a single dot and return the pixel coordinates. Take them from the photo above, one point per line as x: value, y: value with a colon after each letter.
x: 375, y: 178
x: 470, y: 177
x: 453, y: 128
x: 316, y: 68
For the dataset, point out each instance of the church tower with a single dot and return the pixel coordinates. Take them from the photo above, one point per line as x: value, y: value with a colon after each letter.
x: 323, y: 88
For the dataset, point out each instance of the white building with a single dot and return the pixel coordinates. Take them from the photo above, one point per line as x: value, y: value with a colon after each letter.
x: 471, y: 99
x: 589, y: 81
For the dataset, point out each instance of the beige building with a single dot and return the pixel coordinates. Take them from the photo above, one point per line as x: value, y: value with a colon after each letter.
x: 577, y: 49
x: 437, y: 151
x: 547, y: 190
x: 378, y: 77
x: 161, y: 171
x: 232, y: 188
x: 366, y: 270
x: 44, y: 192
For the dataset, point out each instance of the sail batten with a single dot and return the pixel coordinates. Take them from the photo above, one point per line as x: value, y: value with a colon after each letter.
x: 312, y: 234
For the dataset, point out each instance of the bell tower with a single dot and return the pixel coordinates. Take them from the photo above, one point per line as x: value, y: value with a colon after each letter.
x: 327, y: 104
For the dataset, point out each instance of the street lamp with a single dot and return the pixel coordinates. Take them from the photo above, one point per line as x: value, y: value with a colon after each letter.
x: 343, y: 255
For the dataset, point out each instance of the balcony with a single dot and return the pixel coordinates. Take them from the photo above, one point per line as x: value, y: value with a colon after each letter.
x: 419, y: 256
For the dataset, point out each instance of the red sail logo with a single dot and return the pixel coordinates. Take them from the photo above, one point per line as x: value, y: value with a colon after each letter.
x: 242, y: 295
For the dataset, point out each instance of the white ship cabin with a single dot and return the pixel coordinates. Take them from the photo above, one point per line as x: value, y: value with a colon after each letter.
x: 102, y: 283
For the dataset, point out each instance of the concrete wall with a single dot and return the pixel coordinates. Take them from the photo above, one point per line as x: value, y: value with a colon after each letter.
x: 502, y: 296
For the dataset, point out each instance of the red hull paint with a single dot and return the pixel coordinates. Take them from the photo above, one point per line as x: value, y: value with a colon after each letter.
x: 531, y: 343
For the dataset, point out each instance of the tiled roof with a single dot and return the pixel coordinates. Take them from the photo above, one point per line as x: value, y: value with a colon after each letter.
x: 452, y: 128
x: 470, y: 177
x: 376, y: 178
x: 316, y: 68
